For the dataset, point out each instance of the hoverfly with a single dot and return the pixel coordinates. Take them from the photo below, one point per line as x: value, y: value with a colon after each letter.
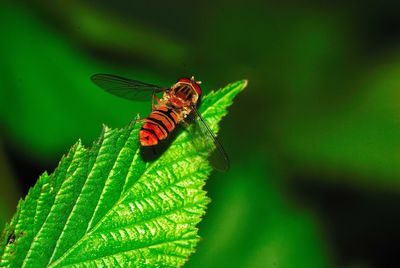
x: 177, y: 104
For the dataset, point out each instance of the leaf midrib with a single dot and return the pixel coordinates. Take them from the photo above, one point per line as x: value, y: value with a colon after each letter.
x: 133, y: 249
x: 101, y: 219
x: 79, y: 196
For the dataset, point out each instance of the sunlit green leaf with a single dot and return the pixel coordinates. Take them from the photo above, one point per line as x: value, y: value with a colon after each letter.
x: 106, y: 206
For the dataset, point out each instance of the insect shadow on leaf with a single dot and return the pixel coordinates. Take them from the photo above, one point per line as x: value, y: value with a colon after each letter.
x: 152, y: 153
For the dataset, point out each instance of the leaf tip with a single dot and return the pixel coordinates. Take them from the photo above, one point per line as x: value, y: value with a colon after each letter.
x: 104, y: 128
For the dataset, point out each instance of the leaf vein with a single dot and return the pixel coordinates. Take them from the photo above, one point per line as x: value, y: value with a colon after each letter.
x: 43, y: 223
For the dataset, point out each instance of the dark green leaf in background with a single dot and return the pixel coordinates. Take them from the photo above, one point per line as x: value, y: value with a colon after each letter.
x: 9, y: 191
x: 359, y: 136
x: 38, y: 86
x: 260, y: 224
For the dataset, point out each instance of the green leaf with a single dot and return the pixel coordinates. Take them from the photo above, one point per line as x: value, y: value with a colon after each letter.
x: 107, y: 206
x: 358, y: 134
x: 253, y: 222
x: 32, y: 96
x: 9, y: 191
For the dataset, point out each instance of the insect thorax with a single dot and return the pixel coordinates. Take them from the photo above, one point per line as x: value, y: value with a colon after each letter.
x: 185, y: 92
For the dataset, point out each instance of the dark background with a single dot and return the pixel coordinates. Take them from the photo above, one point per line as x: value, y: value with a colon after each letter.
x: 314, y: 140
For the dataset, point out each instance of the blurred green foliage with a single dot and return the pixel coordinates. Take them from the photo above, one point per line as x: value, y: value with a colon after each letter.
x: 9, y: 192
x: 321, y: 110
x: 252, y: 225
x: 360, y: 136
x: 43, y: 76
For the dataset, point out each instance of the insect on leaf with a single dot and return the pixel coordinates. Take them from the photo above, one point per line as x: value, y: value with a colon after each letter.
x: 105, y: 206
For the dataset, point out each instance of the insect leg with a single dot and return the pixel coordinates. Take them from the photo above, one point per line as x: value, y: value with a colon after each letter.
x: 154, y: 101
x: 153, y: 97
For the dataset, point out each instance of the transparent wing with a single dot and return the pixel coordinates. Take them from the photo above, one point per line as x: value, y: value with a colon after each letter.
x: 218, y: 158
x: 126, y: 88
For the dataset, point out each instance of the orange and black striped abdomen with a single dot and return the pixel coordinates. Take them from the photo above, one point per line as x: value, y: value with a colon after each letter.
x: 160, y: 123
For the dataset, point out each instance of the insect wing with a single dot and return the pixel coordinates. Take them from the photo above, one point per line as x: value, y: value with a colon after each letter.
x: 218, y: 158
x: 126, y: 88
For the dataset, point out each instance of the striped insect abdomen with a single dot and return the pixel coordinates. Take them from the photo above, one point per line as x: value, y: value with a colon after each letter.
x: 157, y: 127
